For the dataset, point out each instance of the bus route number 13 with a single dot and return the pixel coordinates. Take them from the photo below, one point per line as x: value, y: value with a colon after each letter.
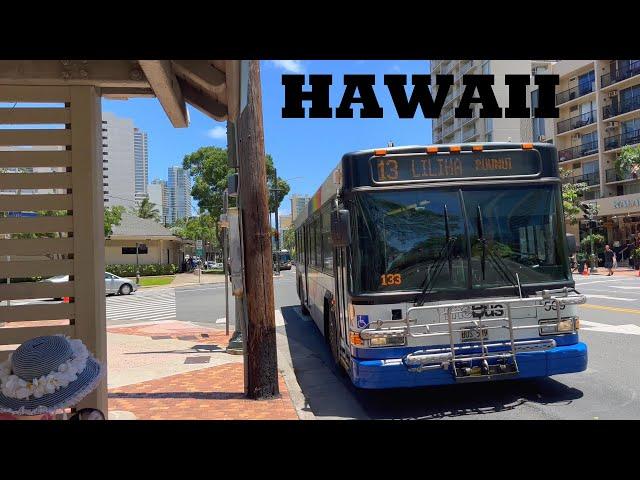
x: 390, y: 279
x: 387, y: 170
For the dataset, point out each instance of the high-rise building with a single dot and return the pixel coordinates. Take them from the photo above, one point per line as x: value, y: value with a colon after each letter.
x: 118, y: 163
x: 141, y: 157
x: 158, y: 194
x: 599, y: 102
x: 179, y: 194
x: 298, y: 204
x: 448, y: 129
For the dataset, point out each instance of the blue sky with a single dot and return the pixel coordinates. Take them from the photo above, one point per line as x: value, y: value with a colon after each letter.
x: 304, y: 150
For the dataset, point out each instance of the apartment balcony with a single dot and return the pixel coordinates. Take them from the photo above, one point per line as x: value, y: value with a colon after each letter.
x: 613, y: 176
x: 469, y: 134
x: 619, y: 141
x: 576, y: 122
x: 578, y: 151
x: 447, y: 114
x: 447, y: 129
x: 591, y: 179
x: 619, y: 75
x: 619, y: 108
x: 575, y: 92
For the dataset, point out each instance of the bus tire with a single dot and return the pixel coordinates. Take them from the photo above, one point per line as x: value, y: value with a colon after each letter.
x: 331, y: 333
x: 303, y: 307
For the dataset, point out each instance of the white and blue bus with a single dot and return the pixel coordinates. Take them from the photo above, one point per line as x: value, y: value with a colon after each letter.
x: 431, y: 265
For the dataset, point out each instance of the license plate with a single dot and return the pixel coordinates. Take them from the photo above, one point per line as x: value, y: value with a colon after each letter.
x: 472, y: 334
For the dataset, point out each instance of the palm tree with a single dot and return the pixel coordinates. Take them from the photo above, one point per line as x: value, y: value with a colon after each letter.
x: 147, y: 209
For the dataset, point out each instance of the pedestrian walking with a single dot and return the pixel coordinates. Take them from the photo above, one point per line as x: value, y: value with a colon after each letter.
x: 609, y: 256
x: 47, y: 375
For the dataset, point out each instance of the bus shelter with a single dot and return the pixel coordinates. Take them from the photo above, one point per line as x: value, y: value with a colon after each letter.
x: 51, y: 162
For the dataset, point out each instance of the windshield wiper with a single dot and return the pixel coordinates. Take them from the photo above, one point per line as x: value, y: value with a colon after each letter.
x: 498, y: 263
x: 444, y: 254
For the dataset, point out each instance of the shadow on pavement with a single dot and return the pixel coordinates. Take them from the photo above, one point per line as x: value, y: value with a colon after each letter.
x: 330, y: 393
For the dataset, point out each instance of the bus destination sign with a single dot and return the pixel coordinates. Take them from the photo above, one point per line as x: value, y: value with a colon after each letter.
x: 465, y: 165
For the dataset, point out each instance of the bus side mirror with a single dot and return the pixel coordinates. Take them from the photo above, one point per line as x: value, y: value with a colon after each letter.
x: 572, y: 245
x: 340, y: 228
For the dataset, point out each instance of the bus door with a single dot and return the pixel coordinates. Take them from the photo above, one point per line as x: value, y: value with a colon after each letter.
x: 340, y: 275
x: 307, y: 246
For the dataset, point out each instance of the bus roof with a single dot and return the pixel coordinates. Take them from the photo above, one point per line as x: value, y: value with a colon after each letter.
x: 353, y: 170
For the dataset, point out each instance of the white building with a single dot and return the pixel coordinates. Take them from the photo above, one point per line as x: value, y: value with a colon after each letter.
x: 179, y: 194
x: 449, y: 129
x: 158, y: 194
x: 298, y: 205
x: 118, y: 163
x: 141, y: 157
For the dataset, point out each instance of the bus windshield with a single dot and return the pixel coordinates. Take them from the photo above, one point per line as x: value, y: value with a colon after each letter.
x: 400, y: 237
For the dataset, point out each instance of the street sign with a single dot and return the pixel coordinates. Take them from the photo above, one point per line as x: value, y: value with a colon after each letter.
x: 199, y: 248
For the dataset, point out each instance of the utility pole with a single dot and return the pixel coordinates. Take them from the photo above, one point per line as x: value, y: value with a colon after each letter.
x: 260, y: 342
x: 275, y: 200
x: 137, y: 264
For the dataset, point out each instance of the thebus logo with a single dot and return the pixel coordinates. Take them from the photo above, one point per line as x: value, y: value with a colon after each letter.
x: 359, y: 89
x: 479, y: 311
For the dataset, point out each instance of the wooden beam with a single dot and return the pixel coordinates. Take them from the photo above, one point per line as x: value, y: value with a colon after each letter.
x: 203, y: 102
x: 16, y: 336
x: 36, y: 225
x: 119, y: 93
x: 167, y: 89
x: 11, y: 137
x: 36, y: 246
x: 24, y: 116
x: 23, y: 290
x: 233, y: 89
x: 29, y: 313
x: 10, y: 181
x: 202, y: 74
x: 38, y: 158
x: 100, y: 73
x: 31, y: 268
x: 30, y: 202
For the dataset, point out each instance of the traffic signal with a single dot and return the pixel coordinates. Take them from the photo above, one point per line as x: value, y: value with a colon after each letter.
x: 588, y: 209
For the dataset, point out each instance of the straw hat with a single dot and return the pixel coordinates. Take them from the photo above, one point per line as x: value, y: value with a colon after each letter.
x: 46, y: 374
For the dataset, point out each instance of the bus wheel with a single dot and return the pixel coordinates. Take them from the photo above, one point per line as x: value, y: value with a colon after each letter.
x: 331, y: 332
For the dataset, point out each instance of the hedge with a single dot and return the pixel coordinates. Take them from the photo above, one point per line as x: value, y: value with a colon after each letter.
x: 145, y: 270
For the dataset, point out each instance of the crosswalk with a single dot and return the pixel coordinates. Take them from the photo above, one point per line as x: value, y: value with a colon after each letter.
x: 142, y: 306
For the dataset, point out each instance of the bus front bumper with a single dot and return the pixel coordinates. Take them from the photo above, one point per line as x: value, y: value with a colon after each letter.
x: 392, y: 372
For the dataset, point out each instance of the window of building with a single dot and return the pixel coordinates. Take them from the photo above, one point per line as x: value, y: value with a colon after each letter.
x: 142, y: 249
x: 318, y: 241
x: 586, y: 82
x: 590, y: 167
x: 488, y: 125
x: 589, y: 138
x: 486, y: 67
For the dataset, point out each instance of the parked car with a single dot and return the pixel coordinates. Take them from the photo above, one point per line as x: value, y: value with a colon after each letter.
x: 113, y: 284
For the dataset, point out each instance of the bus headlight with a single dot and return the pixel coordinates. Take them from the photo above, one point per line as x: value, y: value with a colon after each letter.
x: 553, y: 326
x: 386, y: 341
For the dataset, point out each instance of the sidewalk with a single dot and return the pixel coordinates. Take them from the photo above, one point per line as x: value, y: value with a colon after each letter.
x: 178, y: 370
x: 620, y: 271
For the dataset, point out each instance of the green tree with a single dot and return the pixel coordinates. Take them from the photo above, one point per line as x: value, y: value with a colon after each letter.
x: 208, y: 166
x: 148, y: 210
x: 571, y: 197
x: 628, y: 162
x: 201, y: 227
x: 289, y: 240
x: 112, y: 216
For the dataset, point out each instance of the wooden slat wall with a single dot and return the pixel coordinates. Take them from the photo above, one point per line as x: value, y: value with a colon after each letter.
x: 77, y: 150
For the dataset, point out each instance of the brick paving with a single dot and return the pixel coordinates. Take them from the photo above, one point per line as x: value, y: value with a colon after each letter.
x: 209, y: 394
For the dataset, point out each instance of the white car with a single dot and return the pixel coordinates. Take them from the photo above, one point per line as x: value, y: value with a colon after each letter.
x: 113, y: 284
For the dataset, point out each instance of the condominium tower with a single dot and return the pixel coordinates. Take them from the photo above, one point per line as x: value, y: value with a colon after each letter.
x: 448, y: 129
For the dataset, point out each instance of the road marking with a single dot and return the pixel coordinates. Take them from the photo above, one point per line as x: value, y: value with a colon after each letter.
x: 606, y: 297
x: 222, y: 320
x: 161, y: 306
x: 624, y: 287
x: 612, y: 309
x: 585, y: 283
x: 628, y: 329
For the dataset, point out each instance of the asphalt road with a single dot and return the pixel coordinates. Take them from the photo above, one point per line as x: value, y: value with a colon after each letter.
x: 608, y: 389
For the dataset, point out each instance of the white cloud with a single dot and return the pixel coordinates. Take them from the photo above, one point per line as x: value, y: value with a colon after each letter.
x: 219, y: 133
x: 290, y: 66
